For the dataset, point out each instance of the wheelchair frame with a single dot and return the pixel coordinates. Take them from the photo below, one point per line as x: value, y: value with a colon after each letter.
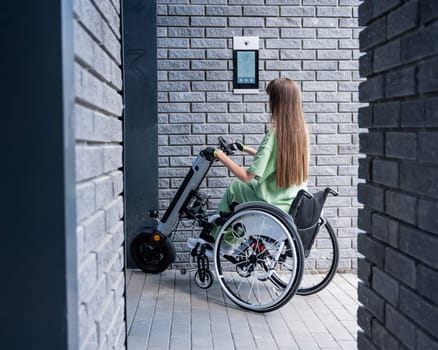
x: 261, y: 271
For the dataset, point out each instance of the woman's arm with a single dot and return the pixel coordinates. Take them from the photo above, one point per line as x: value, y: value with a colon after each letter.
x: 241, y: 173
x: 241, y: 147
x: 249, y: 150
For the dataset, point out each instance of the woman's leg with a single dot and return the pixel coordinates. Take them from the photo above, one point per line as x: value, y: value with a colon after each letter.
x: 237, y: 192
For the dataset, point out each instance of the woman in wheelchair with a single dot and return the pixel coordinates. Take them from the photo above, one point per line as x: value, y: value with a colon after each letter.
x: 280, y: 166
x: 255, y: 237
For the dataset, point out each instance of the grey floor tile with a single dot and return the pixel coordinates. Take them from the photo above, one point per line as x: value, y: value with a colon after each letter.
x: 168, y: 311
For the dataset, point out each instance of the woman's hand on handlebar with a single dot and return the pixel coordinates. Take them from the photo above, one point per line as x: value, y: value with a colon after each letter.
x: 209, y: 153
x: 236, y: 145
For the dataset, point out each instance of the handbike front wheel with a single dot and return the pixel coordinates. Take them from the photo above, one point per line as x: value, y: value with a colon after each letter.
x: 321, y: 264
x: 204, y: 279
x: 250, y: 258
x: 152, y: 252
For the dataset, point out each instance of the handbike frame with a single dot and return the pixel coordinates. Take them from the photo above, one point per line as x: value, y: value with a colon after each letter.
x: 153, y: 251
x: 187, y: 192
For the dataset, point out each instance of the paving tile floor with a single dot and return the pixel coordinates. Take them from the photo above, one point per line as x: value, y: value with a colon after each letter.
x: 168, y: 311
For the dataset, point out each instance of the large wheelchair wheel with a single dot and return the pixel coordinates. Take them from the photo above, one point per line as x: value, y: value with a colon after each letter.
x: 259, y: 257
x: 321, y: 264
x: 152, y: 252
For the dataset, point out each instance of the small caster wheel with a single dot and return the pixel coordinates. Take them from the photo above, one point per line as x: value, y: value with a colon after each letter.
x: 183, y: 271
x: 206, y: 282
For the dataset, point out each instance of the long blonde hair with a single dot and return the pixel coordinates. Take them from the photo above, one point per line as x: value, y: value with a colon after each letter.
x: 291, y: 131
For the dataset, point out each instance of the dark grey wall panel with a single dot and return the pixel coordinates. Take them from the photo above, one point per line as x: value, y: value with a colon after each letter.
x: 140, y: 117
x: 39, y: 280
x: 399, y: 269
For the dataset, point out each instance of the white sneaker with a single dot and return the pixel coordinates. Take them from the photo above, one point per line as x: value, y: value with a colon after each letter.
x: 213, y: 217
x: 226, y: 249
x: 193, y: 241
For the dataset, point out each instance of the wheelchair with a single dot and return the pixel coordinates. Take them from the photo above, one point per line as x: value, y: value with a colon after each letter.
x: 262, y: 255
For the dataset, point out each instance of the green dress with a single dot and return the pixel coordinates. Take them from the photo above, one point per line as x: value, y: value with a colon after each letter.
x: 264, y: 186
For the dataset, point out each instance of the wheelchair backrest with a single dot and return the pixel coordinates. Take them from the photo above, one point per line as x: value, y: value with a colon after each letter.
x: 306, y: 211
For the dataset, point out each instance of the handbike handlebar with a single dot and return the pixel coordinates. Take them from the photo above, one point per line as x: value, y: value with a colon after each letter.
x: 225, y: 146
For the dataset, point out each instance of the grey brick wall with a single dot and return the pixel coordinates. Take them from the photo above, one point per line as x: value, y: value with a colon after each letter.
x: 399, y: 270
x: 314, y: 42
x: 98, y: 111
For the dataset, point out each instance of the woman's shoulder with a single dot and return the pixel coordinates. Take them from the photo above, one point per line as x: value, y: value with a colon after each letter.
x: 269, y: 138
x: 270, y: 132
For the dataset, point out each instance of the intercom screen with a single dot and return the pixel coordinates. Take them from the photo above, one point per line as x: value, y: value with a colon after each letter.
x: 246, y: 67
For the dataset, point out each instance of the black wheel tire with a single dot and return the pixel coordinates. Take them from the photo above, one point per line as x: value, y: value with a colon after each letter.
x: 152, y: 257
x: 208, y: 279
x: 332, y: 270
